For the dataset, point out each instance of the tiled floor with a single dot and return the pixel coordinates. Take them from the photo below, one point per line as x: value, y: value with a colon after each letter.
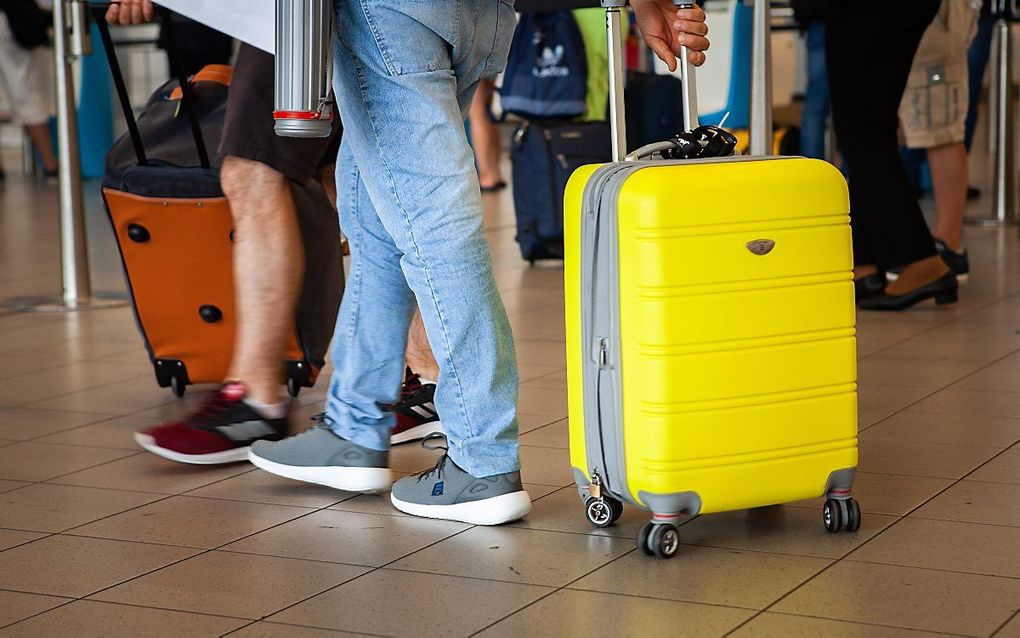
x: 100, y: 539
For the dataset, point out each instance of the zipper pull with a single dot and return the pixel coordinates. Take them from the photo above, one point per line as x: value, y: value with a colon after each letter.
x: 603, y: 354
x: 563, y: 160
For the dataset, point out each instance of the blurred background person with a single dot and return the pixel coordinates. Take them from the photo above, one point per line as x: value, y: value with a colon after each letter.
x: 811, y: 16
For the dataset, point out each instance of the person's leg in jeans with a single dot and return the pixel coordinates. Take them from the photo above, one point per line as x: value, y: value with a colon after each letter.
x: 406, y: 73
x: 814, y: 119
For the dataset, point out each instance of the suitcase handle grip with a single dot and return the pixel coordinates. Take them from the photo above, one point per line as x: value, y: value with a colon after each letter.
x: 176, y: 69
x: 617, y: 117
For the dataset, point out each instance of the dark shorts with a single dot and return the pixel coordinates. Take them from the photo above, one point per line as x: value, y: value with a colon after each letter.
x: 248, y: 128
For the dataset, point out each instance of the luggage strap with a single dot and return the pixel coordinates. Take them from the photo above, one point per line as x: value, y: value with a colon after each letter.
x: 176, y: 69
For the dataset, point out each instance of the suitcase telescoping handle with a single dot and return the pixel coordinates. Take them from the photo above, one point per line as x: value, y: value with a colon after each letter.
x: 617, y: 117
x: 176, y: 68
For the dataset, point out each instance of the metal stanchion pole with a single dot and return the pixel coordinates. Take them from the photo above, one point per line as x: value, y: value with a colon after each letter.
x: 761, y: 79
x: 71, y: 39
x: 1004, y: 186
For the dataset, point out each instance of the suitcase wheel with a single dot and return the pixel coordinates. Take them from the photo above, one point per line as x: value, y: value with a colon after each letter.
x: 178, y: 385
x: 293, y: 387
x: 602, y: 511
x: 840, y: 514
x: 659, y: 539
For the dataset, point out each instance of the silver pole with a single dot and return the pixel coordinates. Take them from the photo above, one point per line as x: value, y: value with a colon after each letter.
x: 73, y: 250
x: 1004, y: 190
x: 617, y: 123
x: 761, y: 79
x: 1002, y: 134
x: 690, y: 85
x: 993, y: 87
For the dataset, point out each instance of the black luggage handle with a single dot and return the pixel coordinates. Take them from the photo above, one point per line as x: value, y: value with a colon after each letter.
x: 176, y: 69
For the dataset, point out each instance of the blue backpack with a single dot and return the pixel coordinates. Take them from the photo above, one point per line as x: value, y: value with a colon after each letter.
x: 547, y: 73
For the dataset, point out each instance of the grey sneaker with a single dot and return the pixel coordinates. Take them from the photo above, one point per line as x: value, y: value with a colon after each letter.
x: 448, y: 492
x: 319, y: 456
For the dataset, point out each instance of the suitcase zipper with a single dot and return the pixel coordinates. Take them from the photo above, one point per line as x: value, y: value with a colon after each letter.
x: 603, y: 356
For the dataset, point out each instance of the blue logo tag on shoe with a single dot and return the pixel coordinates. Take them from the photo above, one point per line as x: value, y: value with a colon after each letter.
x: 437, y: 489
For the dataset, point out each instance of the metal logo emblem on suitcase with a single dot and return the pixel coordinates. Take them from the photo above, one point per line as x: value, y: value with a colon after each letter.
x: 711, y: 348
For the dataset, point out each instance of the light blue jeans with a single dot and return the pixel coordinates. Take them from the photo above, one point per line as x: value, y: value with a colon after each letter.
x: 407, y: 191
x: 814, y: 118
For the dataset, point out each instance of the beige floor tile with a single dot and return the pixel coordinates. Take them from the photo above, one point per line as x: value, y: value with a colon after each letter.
x: 13, y: 537
x: 974, y: 502
x: 536, y: 400
x: 12, y: 366
x: 75, y: 567
x: 116, y: 399
x: 54, y: 508
x: 149, y: 473
x: 22, y: 424
x: 965, y: 401
x: 880, y: 396
x: 948, y: 429
x: 400, y: 603
x: 15, y: 606
x: 191, y: 522
x: 891, y: 494
x: 265, y: 629
x: 751, y: 580
x: 947, y: 545
x: 1004, y: 468
x: 562, y: 511
x: 516, y: 555
x: 30, y: 461
x: 994, y: 378
x: 907, y: 597
x: 227, y: 584
x: 554, y: 380
x: 920, y: 458
x: 1011, y: 629
x: 528, y: 422
x: 773, y: 625
x: 552, y: 435
x: 257, y: 486
x: 881, y: 370
x: 65, y: 379
x: 546, y: 466
x: 7, y: 486
x: 92, y: 619
x: 117, y: 433
x: 349, y: 537
x: 583, y: 614
x: 783, y: 530
x: 526, y: 372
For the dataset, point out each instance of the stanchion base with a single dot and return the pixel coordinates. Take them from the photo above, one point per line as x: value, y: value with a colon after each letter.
x: 990, y: 222
x: 98, y: 301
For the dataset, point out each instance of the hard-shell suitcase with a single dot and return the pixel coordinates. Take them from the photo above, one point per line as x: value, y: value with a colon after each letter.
x: 710, y: 336
x: 543, y: 155
x: 175, y: 232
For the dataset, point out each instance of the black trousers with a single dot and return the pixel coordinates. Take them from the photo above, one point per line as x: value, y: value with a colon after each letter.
x: 870, y: 45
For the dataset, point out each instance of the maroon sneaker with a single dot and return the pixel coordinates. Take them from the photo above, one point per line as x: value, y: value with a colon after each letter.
x: 220, y: 431
x: 416, y: 411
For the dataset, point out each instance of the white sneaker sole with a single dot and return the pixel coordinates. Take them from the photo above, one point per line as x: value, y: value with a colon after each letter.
x: 491, y: 511
x: 235, y: 455
x: 417, y: 433
x: 349, y: 479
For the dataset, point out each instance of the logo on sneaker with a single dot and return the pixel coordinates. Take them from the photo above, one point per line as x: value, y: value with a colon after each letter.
x: 233, y: 391
x: 426, y: 410
x: 437, y: 489
x: 245, y: 430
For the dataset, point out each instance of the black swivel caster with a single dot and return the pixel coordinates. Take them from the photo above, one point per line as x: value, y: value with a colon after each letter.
x: 293, y: 387
x: 603, y: 511
x: 659, y: 539
x: 840, y: 514
x: 177, y: 385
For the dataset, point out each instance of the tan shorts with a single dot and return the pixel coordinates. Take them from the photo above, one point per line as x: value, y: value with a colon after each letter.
x: 934, y: 106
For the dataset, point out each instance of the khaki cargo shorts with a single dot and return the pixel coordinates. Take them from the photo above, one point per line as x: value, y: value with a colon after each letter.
x: 934, y: 106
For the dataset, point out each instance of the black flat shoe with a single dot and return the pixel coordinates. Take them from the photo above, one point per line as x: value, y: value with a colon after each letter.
x: 498, y: 186
x: 943, y: 290
x: 869, y: 286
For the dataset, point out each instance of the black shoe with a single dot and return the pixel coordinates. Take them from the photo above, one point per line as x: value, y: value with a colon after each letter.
x: 973, y: 193
x: 957, y: 262
x: 869, y: 286
x: 943, y: 290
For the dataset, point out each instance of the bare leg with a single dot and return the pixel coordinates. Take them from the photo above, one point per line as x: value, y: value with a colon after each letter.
x: 268, y: 267
x: 949, y: 179
x: 485, y: 136
x: 40, y: 136
x: 419, y: 352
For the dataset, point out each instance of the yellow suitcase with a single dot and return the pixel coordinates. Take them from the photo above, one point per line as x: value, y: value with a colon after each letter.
x: 710, y: 338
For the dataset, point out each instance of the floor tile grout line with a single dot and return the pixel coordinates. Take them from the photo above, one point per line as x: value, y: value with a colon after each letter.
x: 929, y: 569
x: 276, y: 622
x: 849, y: 622
x: 1016, y: 614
